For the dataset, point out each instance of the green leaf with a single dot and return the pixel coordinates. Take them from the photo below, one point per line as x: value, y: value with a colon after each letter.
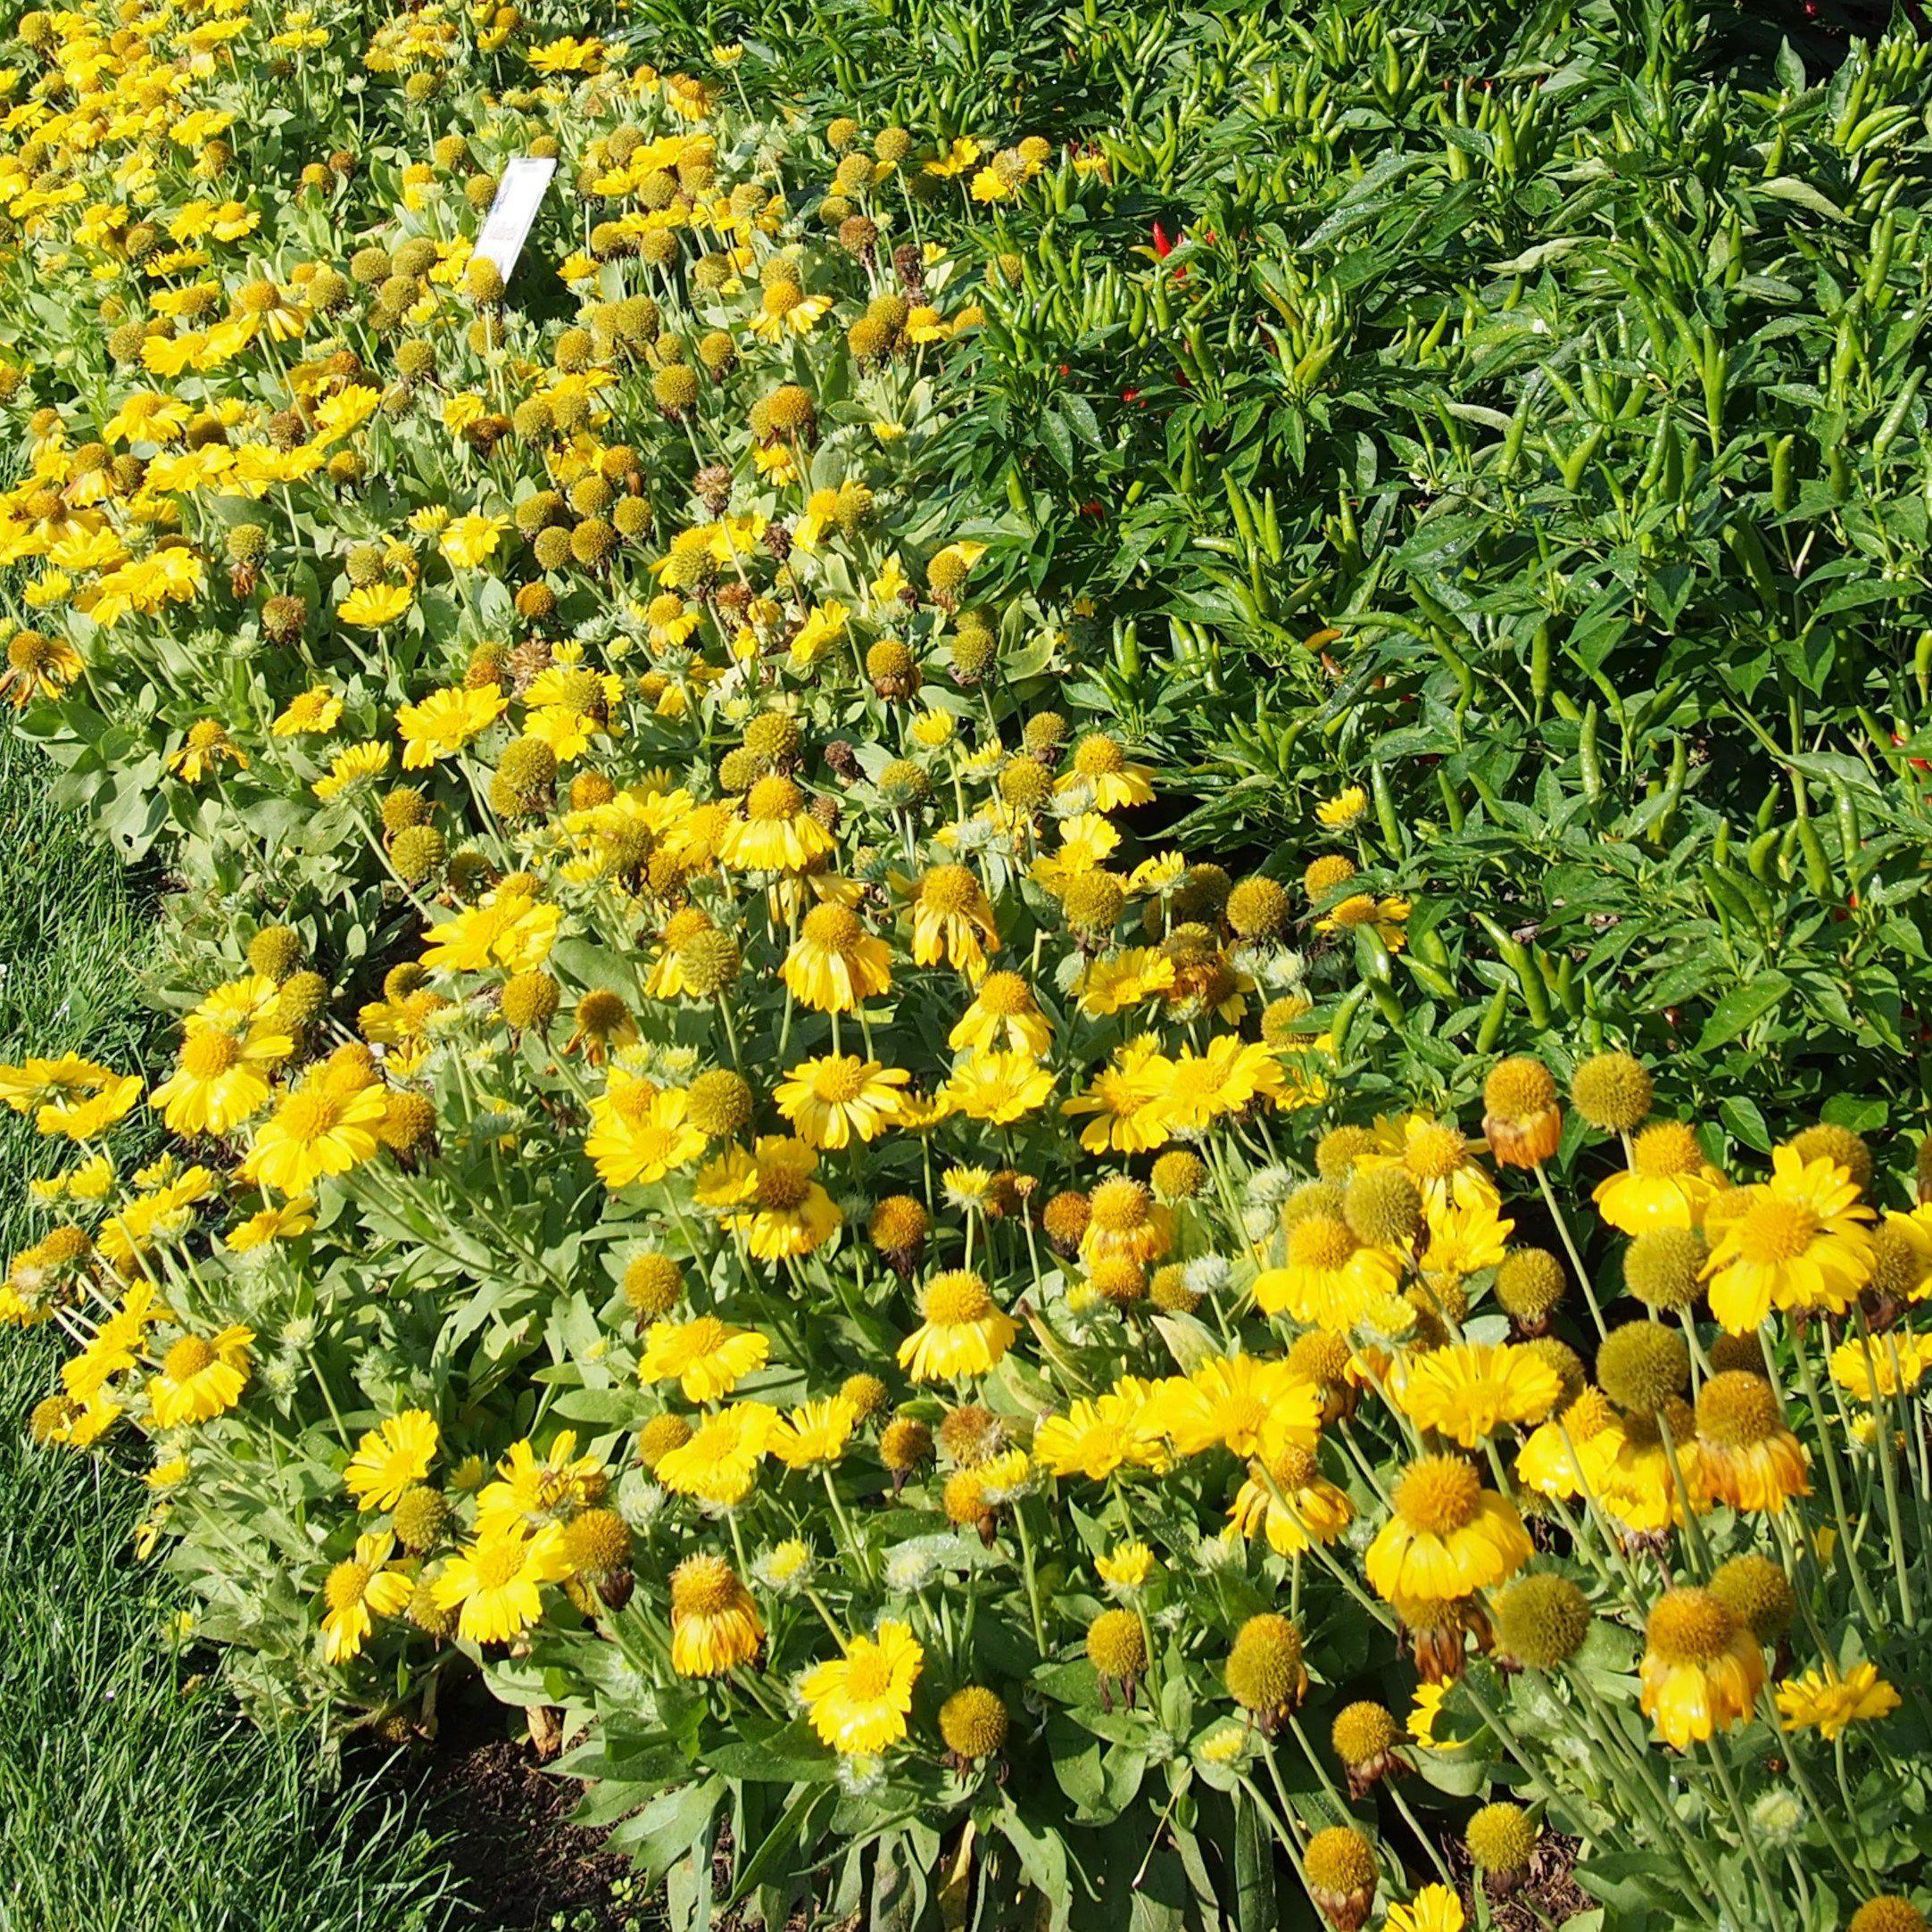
x: 1740, y: 1008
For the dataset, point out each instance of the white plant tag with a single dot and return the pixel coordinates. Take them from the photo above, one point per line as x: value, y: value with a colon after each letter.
x: 507, y: 226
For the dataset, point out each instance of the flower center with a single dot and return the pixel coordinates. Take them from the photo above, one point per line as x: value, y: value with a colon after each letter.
x: 189, y: 1357
x: 836, y: 928
x: 1005, y: 996
x: 209, y: 1055
x: 782, y: 1188
x: 1690, y: 1627
x: 839, y: 1082
x: 773, y: 800
x: 1668, y: 1148
x: 867, y: 1677
x: 1438, y: 1495
x: 345, y: 1584
x: 948, y: 889
x: 1774, y: 1231
x: 1321, y: 1241
x: 955, y: 1298
x: 497, y: 1563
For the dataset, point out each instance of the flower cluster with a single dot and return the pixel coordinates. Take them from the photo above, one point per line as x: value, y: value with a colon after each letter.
x: 725, y: 1175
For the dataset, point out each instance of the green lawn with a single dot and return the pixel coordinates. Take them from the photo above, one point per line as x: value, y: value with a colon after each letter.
x: 132, y: 1798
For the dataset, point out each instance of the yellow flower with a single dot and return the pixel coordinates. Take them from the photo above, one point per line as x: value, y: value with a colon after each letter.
x: 375, y: 605
x: 1746, y: 1454
x: 777, y: 834
x: 315, y: 710
x: 835, y: 965
x: 1665, y: 1186
x: 1103, y: 1433
x: 321, y: 1127
x: 1344, y: 808
x: 1828, y: 1702
x: 838, y: 1098
x: 352, y: 765
x: 532, y: 1489
x: 218, y: 1081
x: 714, y: 1623
x: 1799, y: 1244
x: 1242, y: 1404
x: 69, y: 1096
x: 1126, y: 1567
x: 1003, y: 1014
x: 1434, y: 1909
x: 705, y: 1357
x: 999, y: 1088
x: 1448, y: 1537
x: 496, y: 1582
x: 365, y: 1586
x: 445, y: 722
x: 1330, y: 1280
x: 1470, y: 1390
x: 390, y: 1457
x: 858, y: 1703
x: 640, y: 1132
x: 1701, y: 1670
x: 1292, y: 1502
x: 719, y: 1463
x: 951, y: 920
x: 814, y: 1432
x: 509, y: 929
x: 470, y: 540
x: 964, y: 1332
x: 201, y: 1378
x: 203, y: 749
x: 1895, y: 1359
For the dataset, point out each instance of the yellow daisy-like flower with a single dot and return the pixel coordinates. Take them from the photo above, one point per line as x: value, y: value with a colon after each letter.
x: 374, y: 606
x: 858, y: 1703
x: 1470, y: 1390
x: 1746, y: 1456
x: 1800, y: 1242
x: 1330, y: 1280
x: 1004, y: 1014
x: 835, y: 965
x: 1829, y: 1702
x: 200, y: 1377
x: 358, y: 1590
x: 814, y: 1432
x: 1892, y: 1363
x: 1701, y: 1670
x: 1449, y: 1537
x: 999, y: 1088
x: 69, y: 1096
x: 1242, y: 1404
x: 952, y: 922
x: 391, y: 1457
x: 640, y: 1132
x: 714, y: 1623
x: 1343, y: 809
x: 839, y: 1098
x: 1289, y: 1499
x: 532, y: 1489
x: 496, y: 1582
x: 1666, y: 1184
x: 964, y: 1332
x: 315, y: 710
x: 719, y: 1463
x: 1103, y: 1433
x: 321, y: 1127
x: 785, y: 1210
x: 445, y: 722
x: 1126, y: 1567
x: 220, y: 1079
x: 776, y: 833
x: 706, y: 1358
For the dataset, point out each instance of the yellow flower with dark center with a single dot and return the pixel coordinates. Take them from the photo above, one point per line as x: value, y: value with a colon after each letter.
x: 392, y: 1457
x: 1469, y: 1391
x: 714, y: 1623
x: 839, y: 1098
x: 200, y: 1377
x: 858, y: 1703
x: 204, y: 750
x: 706, y: 1358
x: 963, y: 1333
x: 532, y: 1489
x: 1701, y: 1670
x: 835, y: 965
x: 364, y: 1587
x: 1829, y: 1702
x: 1746, y: 1454
x: 496, y: 1582
x: 1447, y: 1538
x: 784, y: 1211
x: 1801, y: 1243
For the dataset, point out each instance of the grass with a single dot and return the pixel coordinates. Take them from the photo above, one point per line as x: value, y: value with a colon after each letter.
x: 132, y: 1798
